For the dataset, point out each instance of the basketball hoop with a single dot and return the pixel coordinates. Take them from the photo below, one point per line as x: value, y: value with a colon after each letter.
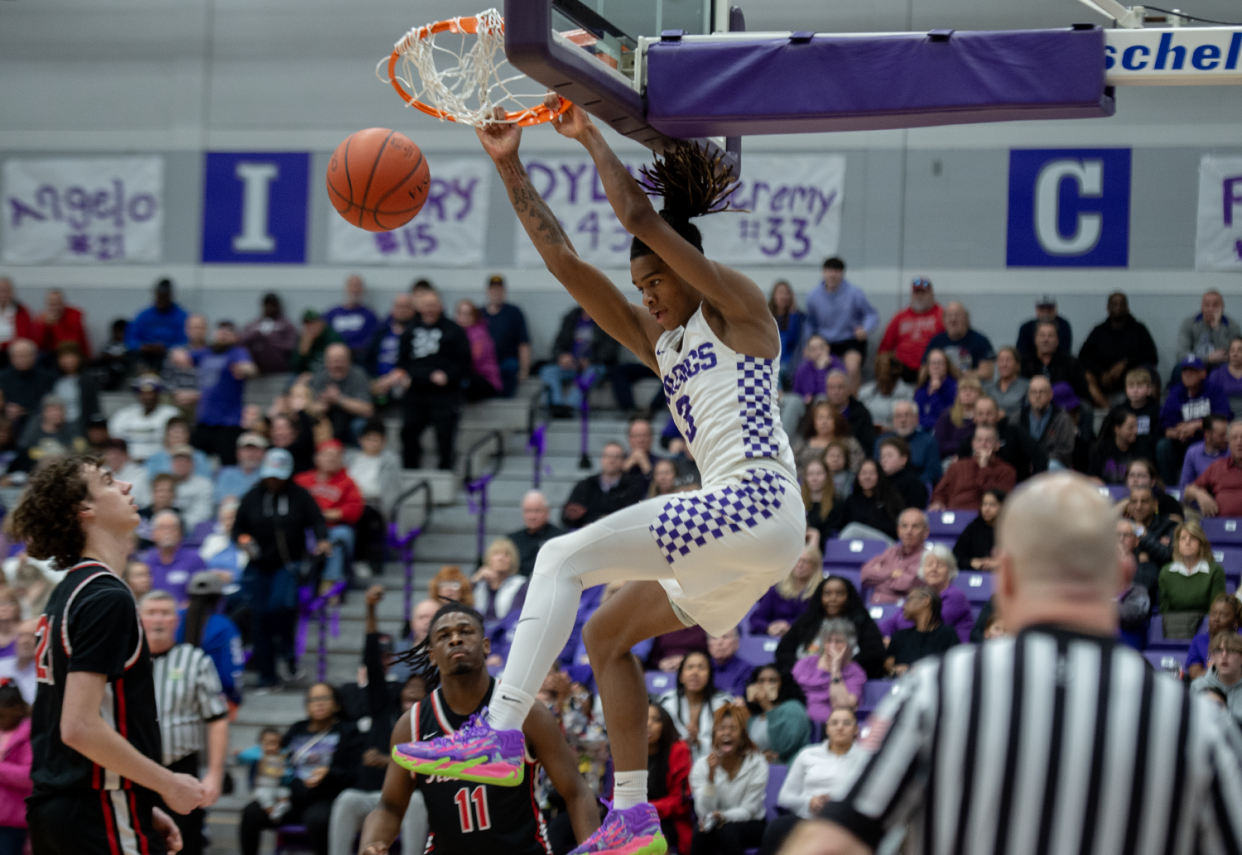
x: 478, y: 81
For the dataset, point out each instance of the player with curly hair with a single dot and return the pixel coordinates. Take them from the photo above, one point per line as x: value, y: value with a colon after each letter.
x: 703, y: 557
x: 98, y: 782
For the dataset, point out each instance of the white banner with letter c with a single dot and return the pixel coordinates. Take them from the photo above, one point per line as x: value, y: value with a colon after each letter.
x: 83, y: 210
x: 793, y: 203
x: 1218, y: 241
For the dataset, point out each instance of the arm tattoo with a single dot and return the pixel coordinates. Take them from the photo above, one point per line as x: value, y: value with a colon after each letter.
x: 537, y: 218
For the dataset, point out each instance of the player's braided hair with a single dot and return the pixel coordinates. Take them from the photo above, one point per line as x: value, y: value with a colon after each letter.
x: 46, y: 518
x: 418, y: 657
x: 693, y: 182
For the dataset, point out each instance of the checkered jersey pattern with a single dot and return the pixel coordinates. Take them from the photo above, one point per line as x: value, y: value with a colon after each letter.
x: 756, y: 392
x: 690, y: 521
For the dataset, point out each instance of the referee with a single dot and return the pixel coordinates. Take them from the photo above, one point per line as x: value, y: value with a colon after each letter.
x: 1058, y: 742
x: 192, y: 710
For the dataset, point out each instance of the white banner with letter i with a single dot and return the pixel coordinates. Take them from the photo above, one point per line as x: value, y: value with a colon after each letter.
x: 83, y: 211
x: 1218, y: 241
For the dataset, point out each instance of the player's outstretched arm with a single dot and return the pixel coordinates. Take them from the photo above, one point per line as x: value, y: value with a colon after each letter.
x: 627, y: 323
x: 384, y: 823
x: 735, y: 296
x: 83, y: 730
x: 551, y: 749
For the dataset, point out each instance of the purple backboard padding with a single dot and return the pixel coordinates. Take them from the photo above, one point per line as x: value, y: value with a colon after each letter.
x: 899, y: 80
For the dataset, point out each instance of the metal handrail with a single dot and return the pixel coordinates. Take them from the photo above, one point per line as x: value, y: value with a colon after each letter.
x: 479, y: 485
x: 404, y: 543
x: 536, y: 438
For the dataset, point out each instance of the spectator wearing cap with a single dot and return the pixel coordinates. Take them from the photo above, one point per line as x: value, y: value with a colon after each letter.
x: 969, y: 350
x: 15, y: 319
x: 274, y: 516
x: 171, y: 563
x: 270, y: 338
x: 76, y: 388
x: 223, y: 368
x: 1049, y: 361
x: 1045, y: 310
x: 911, y: 329
x: 204, y: 627
x: 142, y: 424
x: 116, y: 458
x: 193, y: 492
x: 59, y: 324
x: 157, y: 328
x: 314, y: 339
x: 1218, y: 491
x: 507, y: 326
x: 177, y: 433
x: 1207, y: 335
x: 50, y: 430
x: 1181, y: 417
x: 340, y: 502
x: 1048, y: 425
x: 237, y: 479
x: 343, y: 392
x: 353, y: 321
x: 841, y: 314
x: 1118, y: 344
x: 24, y: 382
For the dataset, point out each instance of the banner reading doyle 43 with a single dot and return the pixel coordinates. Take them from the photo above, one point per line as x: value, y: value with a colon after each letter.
x: 793, y: 204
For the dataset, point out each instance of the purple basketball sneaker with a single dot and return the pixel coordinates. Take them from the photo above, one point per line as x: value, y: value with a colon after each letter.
x: 475, y: 752
x: 633, y: 831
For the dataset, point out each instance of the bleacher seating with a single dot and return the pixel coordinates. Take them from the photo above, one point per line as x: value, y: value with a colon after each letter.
x: 659, y: 682
x: 976, y: 586
x: 757, y: 650
x: 874, y: 691
x: 1157, y: 641
x: 852, y: 553
x: 1223, y: 531
x: 949, y: 523
x: 852, y: 573
x: 883, y: 611
x: 1164, y: 660
x: 776, y: 777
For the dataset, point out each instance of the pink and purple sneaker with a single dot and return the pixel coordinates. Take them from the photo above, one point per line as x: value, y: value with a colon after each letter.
x: 633, y: 831
x: 475, y: 753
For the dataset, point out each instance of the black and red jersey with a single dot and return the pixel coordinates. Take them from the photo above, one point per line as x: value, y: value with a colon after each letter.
x: 91, y: 624
x: 467, y: 818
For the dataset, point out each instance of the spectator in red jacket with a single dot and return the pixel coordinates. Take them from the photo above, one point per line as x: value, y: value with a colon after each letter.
x: 15, y: 321
x: 668, y: 778
x: 341, y: 502
x: 912, y: 328
x: 963, y: 486
x: 57, y: 324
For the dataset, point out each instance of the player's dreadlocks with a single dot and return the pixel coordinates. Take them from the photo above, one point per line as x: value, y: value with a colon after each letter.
x: 693, y: 182
x: 418, y: 657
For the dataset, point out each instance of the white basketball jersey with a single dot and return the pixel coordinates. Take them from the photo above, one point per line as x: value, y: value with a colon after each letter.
x: 724, y: 403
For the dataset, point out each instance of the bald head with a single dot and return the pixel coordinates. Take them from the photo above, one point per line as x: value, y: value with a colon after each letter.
x: 1058, y: 542
x: 534, y: 510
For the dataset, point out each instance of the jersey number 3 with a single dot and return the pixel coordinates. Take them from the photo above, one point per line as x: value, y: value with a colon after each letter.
x: 43, y: 651
x: 465, y: 796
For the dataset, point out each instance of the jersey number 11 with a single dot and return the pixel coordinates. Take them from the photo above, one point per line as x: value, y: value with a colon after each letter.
x: 463, y: 800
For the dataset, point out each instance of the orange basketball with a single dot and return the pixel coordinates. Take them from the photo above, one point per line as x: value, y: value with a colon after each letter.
x: 378, y: 179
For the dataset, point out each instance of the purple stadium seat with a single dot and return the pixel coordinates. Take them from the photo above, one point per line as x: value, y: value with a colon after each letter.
x: 883, y: 611
x: 949, y: 523
x: 845, y: 571
x: 658, y: 682
x: 1157, y: 641
x: 874, y: 691
x: 758, y: 650
x: 947, y: 542
x: 852, y: 552
x: 1223, y: 531
x: 776, y: 777
x: 976, y: 586
x: 1229, y: 557
x: 1165, y: 660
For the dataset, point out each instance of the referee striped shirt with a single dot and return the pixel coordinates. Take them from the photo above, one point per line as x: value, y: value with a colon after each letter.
x: 188, y: 695
x: 1053, y: 743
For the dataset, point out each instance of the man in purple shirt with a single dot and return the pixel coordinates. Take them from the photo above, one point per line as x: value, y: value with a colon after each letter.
x: 171, y: 564
x: 1181, y: 417
x: 841, y: 313
x: 731, y: 672
x: 1200, y: 455
x: 223, y: 368
x: 351, y: 320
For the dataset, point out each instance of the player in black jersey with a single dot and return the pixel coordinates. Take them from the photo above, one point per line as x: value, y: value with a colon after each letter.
x: 470, y: 818
x: 94, y: 731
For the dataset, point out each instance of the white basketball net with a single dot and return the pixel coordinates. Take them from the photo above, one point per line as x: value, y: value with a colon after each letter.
x: 462, y: 75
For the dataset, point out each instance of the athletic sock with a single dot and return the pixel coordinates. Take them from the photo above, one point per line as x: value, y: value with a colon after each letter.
x: 629, y: 790
x: 509, y: 707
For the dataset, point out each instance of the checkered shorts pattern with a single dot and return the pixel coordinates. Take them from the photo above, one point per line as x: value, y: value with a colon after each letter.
x: 756, y: 392
x: 690, y: 521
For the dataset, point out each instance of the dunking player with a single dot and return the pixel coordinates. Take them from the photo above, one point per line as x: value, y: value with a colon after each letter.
x: 465, y: 819
x: 702, y: 557
x: 94, y: 731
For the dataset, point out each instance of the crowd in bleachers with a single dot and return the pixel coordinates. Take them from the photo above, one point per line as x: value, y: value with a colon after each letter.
x: 904, y: 467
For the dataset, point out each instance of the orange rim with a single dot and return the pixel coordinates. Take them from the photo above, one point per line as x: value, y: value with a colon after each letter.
x: 469, y: 25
